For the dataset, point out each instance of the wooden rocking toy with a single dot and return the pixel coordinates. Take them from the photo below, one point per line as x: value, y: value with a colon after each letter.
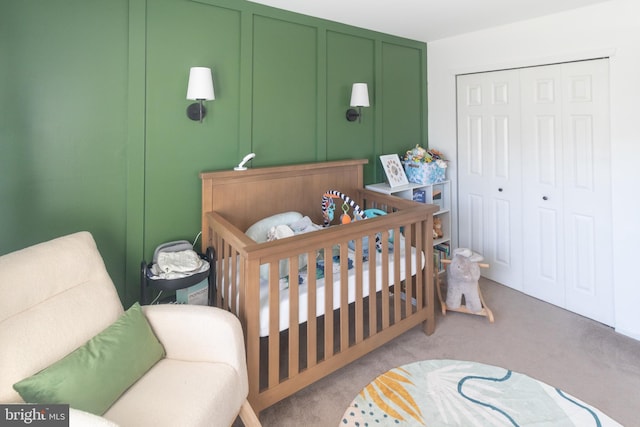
x: 464, y: 308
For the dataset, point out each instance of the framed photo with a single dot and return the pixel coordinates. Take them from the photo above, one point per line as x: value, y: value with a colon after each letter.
x: 394, y: 170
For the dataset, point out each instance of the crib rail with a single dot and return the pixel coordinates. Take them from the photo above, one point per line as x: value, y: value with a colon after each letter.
x: 291, y: 357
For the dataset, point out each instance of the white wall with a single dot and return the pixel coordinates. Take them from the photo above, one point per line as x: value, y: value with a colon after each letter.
x: 607, y: 29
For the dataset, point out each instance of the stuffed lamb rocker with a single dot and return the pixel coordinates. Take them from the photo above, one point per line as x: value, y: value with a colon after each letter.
x: 462, y: 280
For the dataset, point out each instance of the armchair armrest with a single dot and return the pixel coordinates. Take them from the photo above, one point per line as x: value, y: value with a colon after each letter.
x: 199, y: 334
x: 78, y: 418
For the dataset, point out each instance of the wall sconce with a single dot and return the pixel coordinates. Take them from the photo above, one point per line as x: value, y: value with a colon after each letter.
x: 200, y: 89
x: 359, y: 98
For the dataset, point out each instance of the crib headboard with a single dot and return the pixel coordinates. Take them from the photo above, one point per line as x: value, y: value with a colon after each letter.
x: 244, y: 197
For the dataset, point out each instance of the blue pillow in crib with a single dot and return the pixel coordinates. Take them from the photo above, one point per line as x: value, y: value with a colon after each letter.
x: 260, y: 229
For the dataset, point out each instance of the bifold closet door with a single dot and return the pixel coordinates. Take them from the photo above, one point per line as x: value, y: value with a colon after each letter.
x: 567, y: 187
x: 534, y: 191
x: 489, y: 176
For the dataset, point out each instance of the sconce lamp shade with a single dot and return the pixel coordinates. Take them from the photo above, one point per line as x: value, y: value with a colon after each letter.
x: 359, y: 95
x: 200, y: 89
x: 359, y: 98
x: 200, y: 84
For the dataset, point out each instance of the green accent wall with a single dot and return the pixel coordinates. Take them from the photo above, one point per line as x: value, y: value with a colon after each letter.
x: 285, y: 93
x: 94, y: 134
x: 351, y: 58
x: 63, y: 123
x: 403, y: 106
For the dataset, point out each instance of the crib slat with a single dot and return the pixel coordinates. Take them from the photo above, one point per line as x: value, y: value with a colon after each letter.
x: 373, y: 296
x: 219, y: 279
x: 274, y: 324
x: 233, y: 260
x: 385, y: 281
x: 419, y: 277
x: 344, y: 297
x: 228, y: 282
x: 397, y: 314
x: 294, y: 305
x: 408, y: 285
x: 312, y: 322
x: 430, y: 323
x: 359, y: 305
x: 250, y: 317
x: 328, y: 303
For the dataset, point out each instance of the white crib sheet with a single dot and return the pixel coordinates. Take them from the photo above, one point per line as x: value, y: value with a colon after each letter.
x: 320, y: 290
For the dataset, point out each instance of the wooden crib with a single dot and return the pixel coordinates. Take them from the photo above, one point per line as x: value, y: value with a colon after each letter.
x: 339, y: 308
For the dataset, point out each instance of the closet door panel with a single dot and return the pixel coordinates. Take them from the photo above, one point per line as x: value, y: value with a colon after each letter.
x: 546, y: 149
x: 587, y: 190
x: 543, y: 272
x: 471, y: 166
x: 541, y: 142
x: 501, y: 148
x: 474, y: 146
x: 475, y: 223
x: 505, y: 227
x: 489, y: 158
x: 502, y: 254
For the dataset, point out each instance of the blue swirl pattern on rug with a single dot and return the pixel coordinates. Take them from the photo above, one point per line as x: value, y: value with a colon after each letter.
x: 475, y: 377
x: 585, y: 407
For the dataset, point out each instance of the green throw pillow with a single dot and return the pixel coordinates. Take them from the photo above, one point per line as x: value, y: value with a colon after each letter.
x: 94, y: 376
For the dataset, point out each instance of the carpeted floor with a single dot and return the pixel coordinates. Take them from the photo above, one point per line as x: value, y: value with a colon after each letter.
x: 583, y: 358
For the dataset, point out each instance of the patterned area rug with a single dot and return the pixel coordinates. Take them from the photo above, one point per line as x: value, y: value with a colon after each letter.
x: 457, y: 393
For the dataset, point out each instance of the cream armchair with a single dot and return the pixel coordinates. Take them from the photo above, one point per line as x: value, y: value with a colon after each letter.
x: 57, y: 295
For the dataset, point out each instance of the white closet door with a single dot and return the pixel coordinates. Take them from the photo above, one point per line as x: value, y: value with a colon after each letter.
x: 489, y: 198
x: 547, y: 147
x: 587, y: 190
x: 542, y: 170
x: 567, y: 187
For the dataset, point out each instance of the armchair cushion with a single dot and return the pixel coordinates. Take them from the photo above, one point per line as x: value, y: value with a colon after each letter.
x: 95, y: 375
x: 204, y: 368
x: 181, y: 393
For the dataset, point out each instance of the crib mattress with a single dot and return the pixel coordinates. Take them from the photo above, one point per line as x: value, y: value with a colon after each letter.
x: 321, y: 289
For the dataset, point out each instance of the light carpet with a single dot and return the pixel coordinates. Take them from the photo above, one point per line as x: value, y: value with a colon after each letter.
x: 459, y: 393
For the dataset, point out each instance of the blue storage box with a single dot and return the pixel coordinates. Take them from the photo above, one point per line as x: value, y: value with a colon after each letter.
x: 423, y: 173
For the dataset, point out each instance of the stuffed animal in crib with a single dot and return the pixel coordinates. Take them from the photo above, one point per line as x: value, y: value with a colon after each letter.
x: 462, y: 279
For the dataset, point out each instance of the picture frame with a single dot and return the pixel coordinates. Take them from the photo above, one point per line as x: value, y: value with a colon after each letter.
x: 393, y: 170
